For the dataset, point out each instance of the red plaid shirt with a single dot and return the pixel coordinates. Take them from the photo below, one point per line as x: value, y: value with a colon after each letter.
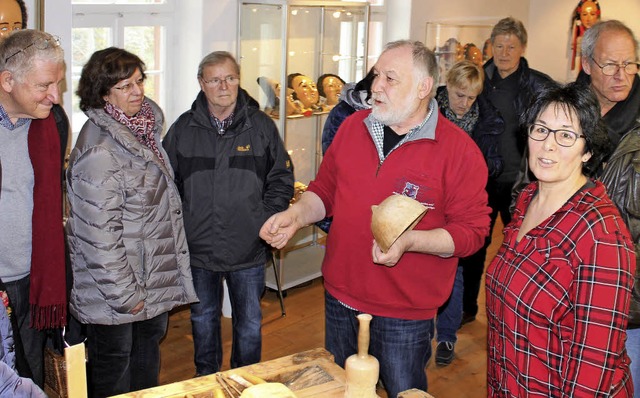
x: 558, y: 300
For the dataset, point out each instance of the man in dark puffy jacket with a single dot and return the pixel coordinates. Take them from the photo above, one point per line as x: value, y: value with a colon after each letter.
x: 610, y: 68
x: 233, y: 173
x: 509, y: 86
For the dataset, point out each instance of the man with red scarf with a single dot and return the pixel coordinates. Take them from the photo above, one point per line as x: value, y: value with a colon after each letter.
x: 32, y: 260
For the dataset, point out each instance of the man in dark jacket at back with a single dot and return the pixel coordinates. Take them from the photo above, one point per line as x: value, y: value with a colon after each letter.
x: 509, y: 85
x: 610, y: 68
x: 233, y: 173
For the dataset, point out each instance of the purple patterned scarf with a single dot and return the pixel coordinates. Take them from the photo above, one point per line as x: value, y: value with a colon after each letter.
x: 141, y: 124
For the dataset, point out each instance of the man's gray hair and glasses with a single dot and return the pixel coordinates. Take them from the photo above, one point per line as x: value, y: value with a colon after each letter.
x: 217, y: 58
x: 19, y: 51
x: 612, y: 26
x: 216, y: 82
x: 41, y: 43
x: 566, y: 138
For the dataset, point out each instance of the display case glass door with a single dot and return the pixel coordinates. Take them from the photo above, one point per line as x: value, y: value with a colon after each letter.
x: 294, y: 56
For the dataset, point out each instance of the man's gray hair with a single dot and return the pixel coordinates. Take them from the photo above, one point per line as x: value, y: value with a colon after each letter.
x: 424, y: 60
x: 216, y: 58
x: 510, y: 26
x: 591, y: 36
x: 20, y: 50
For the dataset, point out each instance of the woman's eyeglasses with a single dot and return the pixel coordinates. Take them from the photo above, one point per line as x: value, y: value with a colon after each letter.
x: 126, y: 88
x: 566, y: 138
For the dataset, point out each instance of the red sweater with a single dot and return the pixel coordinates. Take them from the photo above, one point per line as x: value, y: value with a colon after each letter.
x: 441, y: 167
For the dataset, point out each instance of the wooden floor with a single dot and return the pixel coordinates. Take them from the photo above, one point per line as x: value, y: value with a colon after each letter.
x: 303, y: 328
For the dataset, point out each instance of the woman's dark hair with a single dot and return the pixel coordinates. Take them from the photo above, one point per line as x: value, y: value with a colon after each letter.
x: 104, y: 70
x: 320, y: 86
x: 580, y: 99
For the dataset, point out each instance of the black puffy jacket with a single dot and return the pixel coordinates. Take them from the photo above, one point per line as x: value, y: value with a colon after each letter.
x: 530, y: 82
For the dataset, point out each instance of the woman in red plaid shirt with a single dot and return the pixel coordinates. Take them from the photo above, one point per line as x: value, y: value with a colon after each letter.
x: 558, y: 291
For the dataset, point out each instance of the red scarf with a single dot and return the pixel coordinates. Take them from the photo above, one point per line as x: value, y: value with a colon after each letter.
x: 48, y: 292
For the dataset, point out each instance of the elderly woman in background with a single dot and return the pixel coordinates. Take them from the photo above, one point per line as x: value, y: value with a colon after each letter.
x: 558, y: 290
x: 459, y: 102
x: 127, y: 242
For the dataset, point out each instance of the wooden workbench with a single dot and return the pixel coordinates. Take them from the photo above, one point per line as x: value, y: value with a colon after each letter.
x: 310, y: 373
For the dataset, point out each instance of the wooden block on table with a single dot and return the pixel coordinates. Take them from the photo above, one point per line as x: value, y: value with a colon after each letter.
x: 311, y: 373
x: 414, y: 393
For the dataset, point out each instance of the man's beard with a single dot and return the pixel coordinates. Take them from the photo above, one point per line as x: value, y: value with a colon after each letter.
x: 393, y: 116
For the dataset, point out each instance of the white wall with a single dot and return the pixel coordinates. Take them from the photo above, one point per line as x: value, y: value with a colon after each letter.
x: 57, y: 21
x: 220, y: 23
x: 31, y: 18
x: 484, y: 12
x: 206, y: 26
x: 189, y: 43
x: 397, y: 27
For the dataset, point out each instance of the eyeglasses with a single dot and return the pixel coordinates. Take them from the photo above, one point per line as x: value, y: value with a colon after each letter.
x: 564, y: 138
x: 630, y: 68
x: 40, y: 44
x: 216, y: 81
x: 126, y: 88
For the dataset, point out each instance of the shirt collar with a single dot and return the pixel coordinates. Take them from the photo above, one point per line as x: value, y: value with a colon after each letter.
x: 5, y: 121
x: 426, y: 129
x: 222, y: 125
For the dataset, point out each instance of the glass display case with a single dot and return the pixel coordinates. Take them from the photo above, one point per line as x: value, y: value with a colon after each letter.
x: 294, y: 55
x: 453, y: 42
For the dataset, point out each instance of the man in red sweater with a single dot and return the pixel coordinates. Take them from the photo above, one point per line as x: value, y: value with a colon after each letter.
x: 404, y: 147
